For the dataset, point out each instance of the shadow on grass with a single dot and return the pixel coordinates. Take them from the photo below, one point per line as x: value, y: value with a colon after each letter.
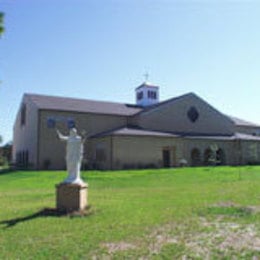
x: 231, y: 210
x: 47, y: 212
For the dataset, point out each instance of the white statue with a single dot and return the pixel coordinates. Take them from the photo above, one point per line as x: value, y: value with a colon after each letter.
x: 74, y: 154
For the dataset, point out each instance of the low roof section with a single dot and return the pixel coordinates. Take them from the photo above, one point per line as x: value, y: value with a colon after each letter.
x: 241, y: 122
x: 236, y: 136
x: 132, y: 131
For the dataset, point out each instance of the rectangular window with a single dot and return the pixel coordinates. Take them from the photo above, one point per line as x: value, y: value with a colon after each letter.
x: 71, y: 123
x: 51, y: 123
x: 152, y: 94
x: 139, y: 95
x: 17, y: 157
x: 23, y: 114
x: 26, y: 158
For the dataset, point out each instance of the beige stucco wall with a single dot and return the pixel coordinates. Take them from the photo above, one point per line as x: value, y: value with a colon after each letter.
x: 172, y: 116
x: 104, y: 143
x: 142, y: 151
x: 236, y: 151
x: 25, y: 136
x: 250, y: 152
x: 53, y: 150
x: 136, y: 151
x: 202, y: 145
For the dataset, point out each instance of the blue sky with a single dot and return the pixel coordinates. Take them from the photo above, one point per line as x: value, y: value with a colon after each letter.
x: 101, y: 49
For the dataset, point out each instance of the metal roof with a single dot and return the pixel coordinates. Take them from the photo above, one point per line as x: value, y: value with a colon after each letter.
x: 82, y: 105
x: 241, y: 122
x: 128, y: 131
x: 147, y: 84
x: 110, y: 108
x: 236, y: 136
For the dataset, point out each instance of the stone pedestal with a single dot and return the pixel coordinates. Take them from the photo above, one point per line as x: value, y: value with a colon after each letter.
x: 71, y: 197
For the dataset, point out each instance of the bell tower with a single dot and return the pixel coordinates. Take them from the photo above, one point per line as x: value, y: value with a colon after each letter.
x: 147, y: 94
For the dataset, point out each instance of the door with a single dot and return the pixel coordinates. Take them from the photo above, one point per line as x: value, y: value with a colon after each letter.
x: 166, y: 158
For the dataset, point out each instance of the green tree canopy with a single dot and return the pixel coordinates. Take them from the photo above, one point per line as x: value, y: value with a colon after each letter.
x: 2, y: 29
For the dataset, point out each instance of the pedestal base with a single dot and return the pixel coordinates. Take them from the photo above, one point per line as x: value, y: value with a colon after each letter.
x: 71, y: 197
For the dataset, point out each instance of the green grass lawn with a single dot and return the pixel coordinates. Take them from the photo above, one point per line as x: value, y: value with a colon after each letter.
x: 199, y: 213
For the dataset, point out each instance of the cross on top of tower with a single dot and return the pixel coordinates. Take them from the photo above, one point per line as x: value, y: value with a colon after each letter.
x: 146, y: 76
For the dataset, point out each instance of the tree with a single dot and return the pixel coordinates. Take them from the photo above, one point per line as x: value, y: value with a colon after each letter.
x: 1, y: 32
x: 1, y: 152
x: 2, y: 29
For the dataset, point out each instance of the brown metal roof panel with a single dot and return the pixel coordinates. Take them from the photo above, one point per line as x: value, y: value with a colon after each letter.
x: 241, y: 122
x: 236, y: 136
x: 126, y: 131
x: 83, y: 105
x: 132, y: 131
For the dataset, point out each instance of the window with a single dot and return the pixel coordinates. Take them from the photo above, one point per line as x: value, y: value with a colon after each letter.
x: 151, y: 94
x: 18, y: 157
x: 220, y: 156
x: 208, y: 156
x: 257, y: 133
x: 71, y: 123
x: 195, y: 157
x: 23, y: 114
x: 51, y: 123
x: 139, y: 95
x: 22, y: 158
x: 26, y: 158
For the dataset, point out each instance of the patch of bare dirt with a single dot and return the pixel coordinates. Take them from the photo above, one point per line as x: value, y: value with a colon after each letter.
x: 119, y: 246
x: 223, y: 236
x: 226, y: 237
x: 159, y: 241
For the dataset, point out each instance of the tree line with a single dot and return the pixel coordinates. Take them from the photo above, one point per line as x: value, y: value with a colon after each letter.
x: 2, y: 29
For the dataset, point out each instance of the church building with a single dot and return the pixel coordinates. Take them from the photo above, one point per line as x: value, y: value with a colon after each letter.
x: 183, y: 130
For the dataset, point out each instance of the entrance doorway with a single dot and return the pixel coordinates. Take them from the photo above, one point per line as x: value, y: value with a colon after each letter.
x: 166, y: 158
x: 195, y: 157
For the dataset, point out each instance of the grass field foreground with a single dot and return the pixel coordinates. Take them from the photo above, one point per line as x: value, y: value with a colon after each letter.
x: 196, y: 213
